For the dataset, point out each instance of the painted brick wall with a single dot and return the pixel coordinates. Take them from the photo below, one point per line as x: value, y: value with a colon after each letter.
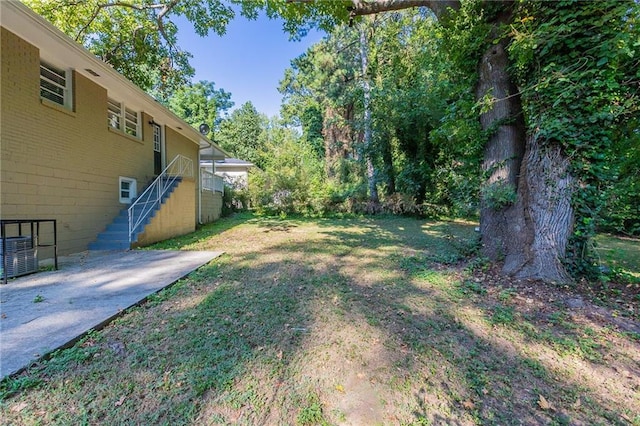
x: 211, y: 206
x: 175, y: 217
x: 183, y: 146
x: 65, y: 165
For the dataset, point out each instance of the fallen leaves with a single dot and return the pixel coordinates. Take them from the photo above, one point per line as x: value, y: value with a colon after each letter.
x: 18, y: 407
x: 543, y: 403
x: 469, y: 405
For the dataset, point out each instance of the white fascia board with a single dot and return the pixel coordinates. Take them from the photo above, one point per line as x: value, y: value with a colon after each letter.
x: 59, y: 49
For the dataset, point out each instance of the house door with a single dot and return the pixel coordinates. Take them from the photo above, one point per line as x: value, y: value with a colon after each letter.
x: 157, y: 149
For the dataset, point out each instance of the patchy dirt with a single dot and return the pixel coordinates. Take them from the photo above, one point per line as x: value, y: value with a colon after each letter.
x: 348, y: 322
x: 614, y: 305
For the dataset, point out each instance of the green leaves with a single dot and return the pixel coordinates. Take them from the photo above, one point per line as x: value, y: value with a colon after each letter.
x: 242, y: 134
x: 200, y: 103
x: 139, y: 39
x: 574, y: 62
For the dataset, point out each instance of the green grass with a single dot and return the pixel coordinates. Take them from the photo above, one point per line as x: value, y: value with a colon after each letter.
x: 620, y: 254
x: 336, y: 321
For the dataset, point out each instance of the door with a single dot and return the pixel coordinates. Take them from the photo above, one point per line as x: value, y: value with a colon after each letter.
x: 157, y: 149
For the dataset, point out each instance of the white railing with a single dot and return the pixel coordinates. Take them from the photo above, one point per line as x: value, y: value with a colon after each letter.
x: 211, y: 182
x: 151, y: 198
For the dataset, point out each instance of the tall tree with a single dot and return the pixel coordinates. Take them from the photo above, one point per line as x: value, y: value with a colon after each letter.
x: 324, y: 81
x: 531, y: 191
x: 242, y: 134
x: 200, y: 103
x: 408, y: 97
x: 367, y: 135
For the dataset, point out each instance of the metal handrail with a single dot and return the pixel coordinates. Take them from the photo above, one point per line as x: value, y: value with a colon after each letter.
x: 146, y: 203
x: 211, y: 182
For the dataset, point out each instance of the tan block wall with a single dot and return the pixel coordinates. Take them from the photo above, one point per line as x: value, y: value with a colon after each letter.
x: 183, y: 146
x: 65, y: 165
x: 211, y: 206
x: 174, y: 218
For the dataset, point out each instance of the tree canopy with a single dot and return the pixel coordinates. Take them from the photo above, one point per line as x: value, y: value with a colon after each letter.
x: 242, y: 134
x: 139, y: 38
x: 200, y: 103
x: 556, y: 90
x: 524, y: 111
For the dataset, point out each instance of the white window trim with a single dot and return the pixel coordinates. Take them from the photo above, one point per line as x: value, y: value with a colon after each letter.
x: 129, y: 116
x: 114, y: 114
x: 128, y: 120
x: 67, y: 89
x: 133, y: 193
x: 157, y: 138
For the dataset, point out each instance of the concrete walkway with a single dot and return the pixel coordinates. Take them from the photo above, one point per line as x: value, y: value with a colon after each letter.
x: 44, y: 311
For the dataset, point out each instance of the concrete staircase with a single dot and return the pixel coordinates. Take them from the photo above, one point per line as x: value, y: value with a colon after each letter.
x: 116, y: 235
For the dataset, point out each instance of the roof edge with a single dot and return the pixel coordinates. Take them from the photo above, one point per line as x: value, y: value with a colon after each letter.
x: 14, y: 13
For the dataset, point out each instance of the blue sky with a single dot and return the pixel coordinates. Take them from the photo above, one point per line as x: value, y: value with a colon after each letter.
x: 248, y: 61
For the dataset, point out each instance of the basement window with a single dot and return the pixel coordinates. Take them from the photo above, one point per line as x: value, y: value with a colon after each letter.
x: 128, y: 190
x: 55, y: 85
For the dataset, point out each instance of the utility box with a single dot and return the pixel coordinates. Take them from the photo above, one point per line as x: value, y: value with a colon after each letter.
x: 21, y: 257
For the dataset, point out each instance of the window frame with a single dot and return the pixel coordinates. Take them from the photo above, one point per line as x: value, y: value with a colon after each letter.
x: 114, y: 114
x: 131, y: 117
x: 132, y: 190
x: 65, y: 86
x: 124, y: 119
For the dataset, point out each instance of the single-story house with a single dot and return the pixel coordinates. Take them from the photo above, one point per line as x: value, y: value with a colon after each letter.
x: 233, y: 171
x: 80, y: 144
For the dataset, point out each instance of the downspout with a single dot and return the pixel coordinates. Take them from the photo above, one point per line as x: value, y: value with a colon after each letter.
x: 199, y: 191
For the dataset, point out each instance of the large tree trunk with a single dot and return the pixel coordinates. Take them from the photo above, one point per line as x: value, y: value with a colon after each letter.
x: 504, y: 227
x: 368, y: 134
x: 529, y: 234
x: 545, y: 192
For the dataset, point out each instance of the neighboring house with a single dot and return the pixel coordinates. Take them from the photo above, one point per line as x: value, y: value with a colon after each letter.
x: 234, y: 171
x: 80, y: 143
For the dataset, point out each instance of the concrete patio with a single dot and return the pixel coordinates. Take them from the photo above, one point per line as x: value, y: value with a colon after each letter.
x: 42, y: 312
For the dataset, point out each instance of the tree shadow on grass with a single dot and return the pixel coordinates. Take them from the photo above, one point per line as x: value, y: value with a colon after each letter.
x: 501, y: 382
x: 156, y: 363
x: 293, y: 332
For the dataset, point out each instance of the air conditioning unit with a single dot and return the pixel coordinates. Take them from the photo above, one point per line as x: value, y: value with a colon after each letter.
x: 21, y: 257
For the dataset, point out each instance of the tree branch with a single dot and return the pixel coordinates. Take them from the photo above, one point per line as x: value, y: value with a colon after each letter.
x: 99, y: 7
x: 366, y: 7
x: 166, y: 9
x: 370, y: 7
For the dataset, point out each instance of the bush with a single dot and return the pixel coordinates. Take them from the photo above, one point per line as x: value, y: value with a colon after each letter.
x: 621, y: 210
x: 293, y: 182
x: 498, y: 195
x: 234, y: 199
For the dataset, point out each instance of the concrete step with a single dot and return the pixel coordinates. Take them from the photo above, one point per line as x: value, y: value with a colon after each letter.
x: 113, y: 236
x: 118, y: 227
x: 109, y: 245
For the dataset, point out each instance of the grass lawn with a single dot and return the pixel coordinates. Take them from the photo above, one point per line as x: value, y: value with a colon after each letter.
x: 620, y: 253
x: 383, y: 321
